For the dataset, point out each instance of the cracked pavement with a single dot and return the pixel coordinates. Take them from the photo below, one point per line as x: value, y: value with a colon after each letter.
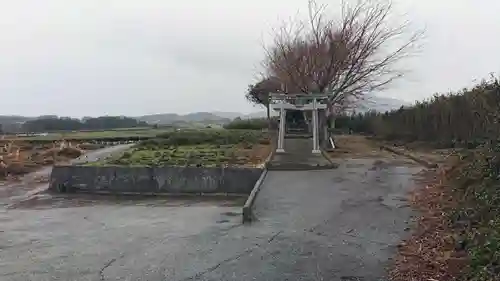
x: 341, y: 224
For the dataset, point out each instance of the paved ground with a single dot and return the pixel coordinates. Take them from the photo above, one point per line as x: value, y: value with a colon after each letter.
x: 298, y: 154
x: 340, y: 224
x: 99, y: 154
x: 343, y: 223
x: 92, y: 240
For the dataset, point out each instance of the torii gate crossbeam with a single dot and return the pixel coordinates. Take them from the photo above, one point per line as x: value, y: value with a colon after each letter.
x: 306, y: 102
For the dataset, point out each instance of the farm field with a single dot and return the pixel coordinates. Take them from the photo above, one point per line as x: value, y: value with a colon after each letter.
x: 159, y: 147
x: 199, y: 148
x: 95, y: 135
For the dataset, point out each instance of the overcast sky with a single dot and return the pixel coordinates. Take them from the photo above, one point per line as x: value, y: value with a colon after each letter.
x: 97, y: 57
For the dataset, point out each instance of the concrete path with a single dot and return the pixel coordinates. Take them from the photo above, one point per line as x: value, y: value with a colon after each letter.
x: 341, y: 224
x: 338, y: 224
x: 100, y: 154
x: 298, y: 156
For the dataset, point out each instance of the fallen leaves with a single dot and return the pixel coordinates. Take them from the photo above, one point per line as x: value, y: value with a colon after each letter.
x: 430, y: 254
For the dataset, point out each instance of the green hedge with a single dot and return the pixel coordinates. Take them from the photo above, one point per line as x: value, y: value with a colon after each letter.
x: 209, y: 136
x: 247, y: 124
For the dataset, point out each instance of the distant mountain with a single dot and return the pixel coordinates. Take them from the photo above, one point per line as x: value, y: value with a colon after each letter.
x: 13, y: 122
x: 196, y: 117
x: 228, y: 115
x: 232, y: 115
x: 217, y: 117
x: 258, y: 114
x: 14, y: 119
x: 381, y: 104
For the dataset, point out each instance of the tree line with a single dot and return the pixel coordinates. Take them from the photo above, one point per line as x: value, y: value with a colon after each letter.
x: 73, y: 124
x: 469, y: 117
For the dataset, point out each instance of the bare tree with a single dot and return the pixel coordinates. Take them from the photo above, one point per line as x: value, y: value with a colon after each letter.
x: 344, y: 57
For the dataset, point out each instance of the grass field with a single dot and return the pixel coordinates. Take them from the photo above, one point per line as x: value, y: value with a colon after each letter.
x: 198, y: 148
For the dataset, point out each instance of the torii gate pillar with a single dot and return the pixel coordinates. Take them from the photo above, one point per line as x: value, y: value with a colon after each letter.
x: 281, y: 135
x: 283, y: 106
x: 315, y: 128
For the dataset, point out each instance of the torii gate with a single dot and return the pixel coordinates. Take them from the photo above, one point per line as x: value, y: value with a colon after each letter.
x: 280, y: 101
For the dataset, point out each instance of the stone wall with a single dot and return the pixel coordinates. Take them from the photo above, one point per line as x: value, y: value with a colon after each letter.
x: 167, y: 180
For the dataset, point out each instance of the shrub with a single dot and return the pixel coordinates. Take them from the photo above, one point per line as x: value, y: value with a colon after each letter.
x: 476, y: 186
x: 209, y: 136
x: 247, y: 124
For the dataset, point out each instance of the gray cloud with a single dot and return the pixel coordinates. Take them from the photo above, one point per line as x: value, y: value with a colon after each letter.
x: 97, y: 57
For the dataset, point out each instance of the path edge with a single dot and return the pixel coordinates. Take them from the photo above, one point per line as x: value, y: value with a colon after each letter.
x: 402, y: 152
x: 247, y: 211
x: 328, y: 157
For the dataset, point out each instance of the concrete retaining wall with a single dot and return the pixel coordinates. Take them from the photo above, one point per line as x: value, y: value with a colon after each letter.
x: 169, y: 180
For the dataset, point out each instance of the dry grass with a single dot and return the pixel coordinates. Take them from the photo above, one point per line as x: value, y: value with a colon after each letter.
x: 256, y: 156
x: 32, y: 157
x: 431, y: 254
x: 355, y: 146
